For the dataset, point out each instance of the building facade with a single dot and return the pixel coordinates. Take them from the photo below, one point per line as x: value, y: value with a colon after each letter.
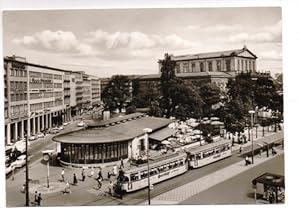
x: 37, y: 97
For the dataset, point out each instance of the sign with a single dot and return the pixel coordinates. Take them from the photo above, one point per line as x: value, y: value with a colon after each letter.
x: 58, y: 147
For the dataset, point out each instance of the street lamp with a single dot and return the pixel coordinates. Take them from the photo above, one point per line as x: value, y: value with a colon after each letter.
x: 252, y: 112
x: 147, y: 131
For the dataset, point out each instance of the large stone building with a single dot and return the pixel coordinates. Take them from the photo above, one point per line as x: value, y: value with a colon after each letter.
x: 213, y: 67
x: 38, y: 97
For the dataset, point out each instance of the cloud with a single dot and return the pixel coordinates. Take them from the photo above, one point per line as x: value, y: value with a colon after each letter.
x: 271, y: 55
x: 136, y: 40
x: 214, y: 28
x: 55, y: 41
x: 267, y: 34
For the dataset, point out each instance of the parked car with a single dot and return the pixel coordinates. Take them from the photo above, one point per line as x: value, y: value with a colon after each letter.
x: 54, y: 130
x: 81, y: 124
x: 21, y: 161
x: 8, y: 169
x: 66, y: 123
x: 32, y: 137
x: 60, y: 127
x: 40, y: 135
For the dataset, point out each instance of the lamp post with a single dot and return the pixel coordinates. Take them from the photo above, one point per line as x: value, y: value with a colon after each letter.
x: 251, y: 112
x: 147, y: 131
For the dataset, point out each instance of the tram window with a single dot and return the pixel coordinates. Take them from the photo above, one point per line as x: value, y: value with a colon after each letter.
x: 198, y: 156
x: 144, y: 174
x: 125, y: 179
x: 205, y: 154
x: 134, y: 177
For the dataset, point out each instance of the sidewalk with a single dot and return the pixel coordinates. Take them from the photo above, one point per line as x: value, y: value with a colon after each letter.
x: 186, y: 191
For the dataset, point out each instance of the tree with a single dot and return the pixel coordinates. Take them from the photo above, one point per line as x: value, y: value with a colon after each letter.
x: 210, y: 94
x: 144, y: 95
x: 178, y: 98
x: 117, y: 93
x: 264, y: 93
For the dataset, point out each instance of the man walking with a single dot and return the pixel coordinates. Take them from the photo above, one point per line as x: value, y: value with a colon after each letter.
x: 83, y: 175
x: 74, y: 179
x: 100, y: 174
x: 39, y: 199
x: 62, y: 175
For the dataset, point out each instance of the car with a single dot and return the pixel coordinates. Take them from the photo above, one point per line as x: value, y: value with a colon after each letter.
x: 21, y: 161
x: 40, y: 135
x: 54, y: 130
x: 8, y: 169
x: 60, y: 127
x: 66, y: 123
x: 81, y: 124
x: 32, y: 137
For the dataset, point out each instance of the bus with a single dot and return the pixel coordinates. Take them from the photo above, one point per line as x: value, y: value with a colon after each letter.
x: 161, y: 168
x: 199, y: 156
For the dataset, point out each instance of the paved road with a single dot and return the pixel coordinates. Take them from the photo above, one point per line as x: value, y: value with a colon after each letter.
x: 237, y: 190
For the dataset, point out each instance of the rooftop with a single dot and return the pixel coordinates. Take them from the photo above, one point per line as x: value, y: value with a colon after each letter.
x: 113, y: 131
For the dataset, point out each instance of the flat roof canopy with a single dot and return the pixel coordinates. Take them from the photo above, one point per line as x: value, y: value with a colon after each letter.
x: 123, y: 131
x: 270, y: 179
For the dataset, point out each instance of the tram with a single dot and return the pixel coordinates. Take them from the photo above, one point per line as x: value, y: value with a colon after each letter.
x: 161, y: 168
x: 203, y: 155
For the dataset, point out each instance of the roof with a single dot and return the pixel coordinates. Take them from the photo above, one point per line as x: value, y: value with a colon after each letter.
x: 112, y: 121
x: 207, y: 146
x: 116, y: 132
x: 212, y: 54
x: 162, y: 134
x: 190, y: 75
x: 270, y: 179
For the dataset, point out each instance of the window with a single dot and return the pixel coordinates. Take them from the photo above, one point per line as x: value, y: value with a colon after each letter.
x: 185, y: 67
x: 210, y: 66
x: 227, y: 64
x: 193, y: 67
x: 242, y: 65
x: 177, y: 68
x: 201, y: 67
x: 218, y: 65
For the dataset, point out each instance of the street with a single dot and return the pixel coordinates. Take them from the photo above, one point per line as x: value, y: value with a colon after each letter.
x: 239, y: 187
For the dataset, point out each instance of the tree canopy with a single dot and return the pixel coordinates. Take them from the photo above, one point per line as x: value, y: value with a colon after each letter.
x: 117, y: 93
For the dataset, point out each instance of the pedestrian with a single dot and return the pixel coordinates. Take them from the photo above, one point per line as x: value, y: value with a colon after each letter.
x: 247, y: 160
x: 83, y: 175
x: 108, y: 175
x: 110, y: 188
x: 115, y: 170
x: 62, y: 175
x: 99, y: 183
x: 241, y: 149
x: 35, y: 197
x: 122, y: 163
x: 100, y: 174
x: 273, y: 151
x: 39, y: 199
x: 260, y: 152
x: 67, y: 188
x: 92, y: 172
x: 74, y: 179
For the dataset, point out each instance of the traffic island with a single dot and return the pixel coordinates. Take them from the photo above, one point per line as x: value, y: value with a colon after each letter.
x: 53, y: 188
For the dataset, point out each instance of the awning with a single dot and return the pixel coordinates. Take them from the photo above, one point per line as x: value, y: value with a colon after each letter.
x: 162, y: 134
x: 270, y: 180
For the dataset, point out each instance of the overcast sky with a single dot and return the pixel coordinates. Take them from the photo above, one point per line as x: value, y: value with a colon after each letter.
x: 130, y: 41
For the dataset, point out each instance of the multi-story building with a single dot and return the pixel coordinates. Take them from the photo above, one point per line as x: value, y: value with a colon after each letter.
x: 39, y: 97
x: 87, y: 91
x: 95, y: 90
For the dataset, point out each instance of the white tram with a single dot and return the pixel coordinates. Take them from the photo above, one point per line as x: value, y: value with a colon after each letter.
x: 203, y: 155
x: 161, y: 168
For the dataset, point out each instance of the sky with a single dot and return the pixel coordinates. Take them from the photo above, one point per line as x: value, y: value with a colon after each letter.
x: 106, y: 42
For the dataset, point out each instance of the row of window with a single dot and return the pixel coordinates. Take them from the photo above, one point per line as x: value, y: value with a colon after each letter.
x: 93, y: 153
x: 210, y: 152
x: 18, y: 97
x: 18, y: 86
x: 156, y: 170
x: 57, y: 77
x: 18, y: 72
x: 18, y: 109
x: 41, y: 106
x: 186, y: 66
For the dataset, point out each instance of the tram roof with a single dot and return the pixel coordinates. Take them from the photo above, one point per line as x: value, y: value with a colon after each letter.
x: 124, y: 131
x: 155, y: 161
x: 207, y: 146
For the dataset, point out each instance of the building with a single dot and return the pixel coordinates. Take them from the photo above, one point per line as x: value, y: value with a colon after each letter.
x: 108, y: 141
x: 95, y: 90
x: 39, y: 97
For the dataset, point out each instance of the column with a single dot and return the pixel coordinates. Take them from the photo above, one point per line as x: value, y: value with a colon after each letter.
x: 22, y: 129
x: 28, y: 127
x: 33, y: 126
x: 8, y: 133
x: 43, y: 122
x: 46, y: 121
x: 50, y: 120
x: 38, y: 124
x: 16, y: 131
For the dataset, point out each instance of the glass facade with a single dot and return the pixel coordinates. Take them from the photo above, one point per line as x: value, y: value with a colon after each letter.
x: 93, y: 153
